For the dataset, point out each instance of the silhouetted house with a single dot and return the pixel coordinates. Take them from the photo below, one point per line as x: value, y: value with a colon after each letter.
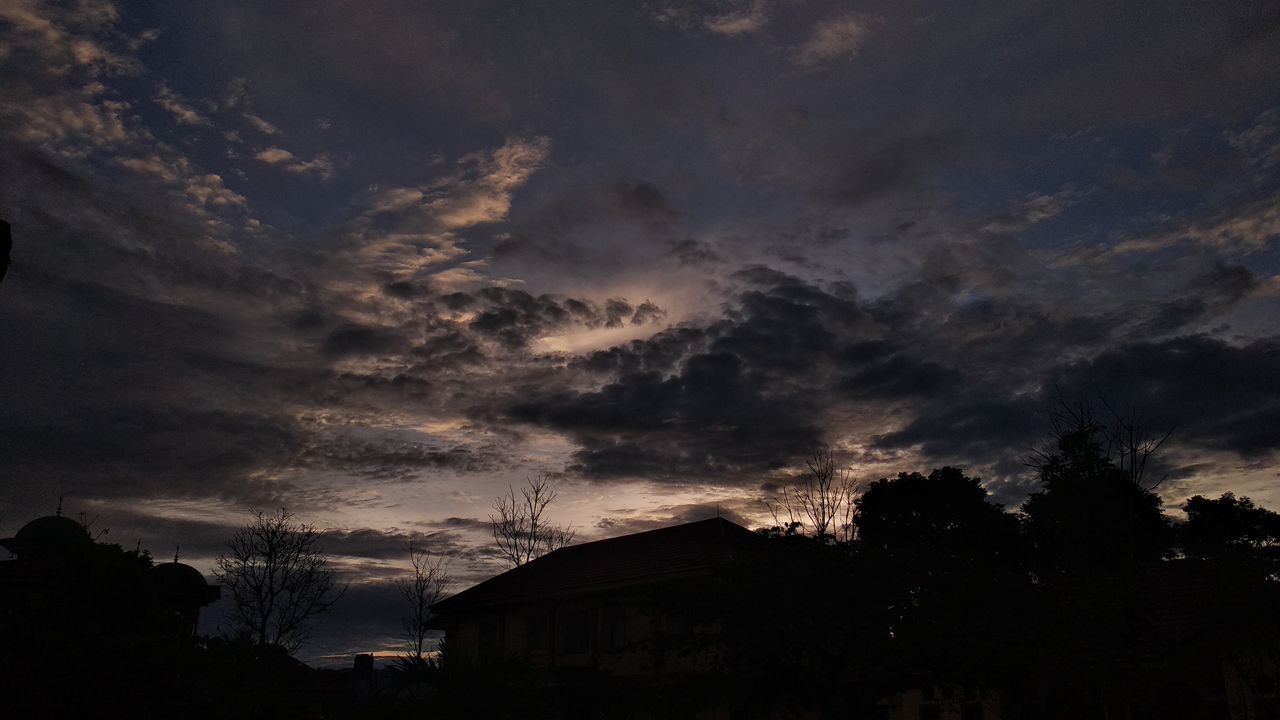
x: 623, y: 607
x: 682, y: 611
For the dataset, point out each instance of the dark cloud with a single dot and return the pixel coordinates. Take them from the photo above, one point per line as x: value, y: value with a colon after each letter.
x: 514, y: 317
x: 943, y: 215
x: 111, y: 394
x: 461, y: 523
x: 391, y: 459
x: 457, y: 300
x: 647, y: 313
x: 644, y: 201
x: 744, y: 395
x: 657, y: 353
x: 448, y: 348
x: 737, y: 397
x: 392, y: 545
x: 894, y: 166
x: 144, y: 361
x: 692, y: 252
x: 356, y: 340
x: 986, y: 429
x: 900, y: 376
x: 621, y: 522
x: 714, y: 417
x: 1216, y: 394
x: 1207, y: 294
x: 406, y: 289
x: 616, y: 311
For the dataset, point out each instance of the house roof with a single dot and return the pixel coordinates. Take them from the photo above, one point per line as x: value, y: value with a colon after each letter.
x: 625, y: 560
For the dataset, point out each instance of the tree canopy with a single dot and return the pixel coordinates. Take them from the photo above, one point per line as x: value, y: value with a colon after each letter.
x: 1091, y: 515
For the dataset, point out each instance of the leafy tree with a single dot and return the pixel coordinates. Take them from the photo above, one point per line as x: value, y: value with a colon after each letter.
x: 946, y: 561
x: 945, y: 514
x: 796, y: 614
x: 1090, y: 514
x: 279, y: 579
x: 1229, y: 526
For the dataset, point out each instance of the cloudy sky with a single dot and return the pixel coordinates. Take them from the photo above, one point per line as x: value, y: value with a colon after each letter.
x: 374, y: 261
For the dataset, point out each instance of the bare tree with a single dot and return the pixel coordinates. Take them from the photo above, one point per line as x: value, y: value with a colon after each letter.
x: 519, y: 528
x: 278, y: 577
x: 430, y: 582
x: 1126, y: 440
x: 820, y: 503
x: 1132, y: 443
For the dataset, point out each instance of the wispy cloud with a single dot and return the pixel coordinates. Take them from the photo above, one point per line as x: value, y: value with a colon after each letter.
x: 321, y: 165
x: 838, y: 37
x: 1033, y: 209
x: 70, y: 108
x: 261, y: 125
x: 176, y: 106
x: 749, y: 17
x: 1249, y: 228
x: 406, y: 229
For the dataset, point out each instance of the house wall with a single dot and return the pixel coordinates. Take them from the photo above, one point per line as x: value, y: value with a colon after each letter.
x: 622, y: 634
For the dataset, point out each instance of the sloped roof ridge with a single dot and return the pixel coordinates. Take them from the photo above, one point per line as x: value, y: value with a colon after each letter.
x: 546, y: 574
x: 643, y: 533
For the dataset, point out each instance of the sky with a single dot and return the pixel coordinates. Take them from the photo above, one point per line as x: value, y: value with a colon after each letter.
x: 376, y: 261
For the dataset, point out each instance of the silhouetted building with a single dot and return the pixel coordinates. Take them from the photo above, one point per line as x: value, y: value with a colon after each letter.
x: 590, y: 629
x: 41, y: 547
x: 97, y: 588
x: 51, y: 533
x: 182, y: 591
x: 618, y: 607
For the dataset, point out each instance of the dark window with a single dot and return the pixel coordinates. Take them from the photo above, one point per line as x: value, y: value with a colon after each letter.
x: 535, y: 633
x: 971, y: 711
x: 488, y: 640
x: 613, y: 630
x: 930, y: 712
x: 575, y: 631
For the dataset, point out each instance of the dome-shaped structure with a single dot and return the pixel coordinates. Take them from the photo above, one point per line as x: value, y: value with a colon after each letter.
x: 178, y: 579
x: 182, y: 590
x: 52, y: 532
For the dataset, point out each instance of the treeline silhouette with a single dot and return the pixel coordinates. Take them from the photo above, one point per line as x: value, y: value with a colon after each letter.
x: 91, y: 629
x: 1087, y: 601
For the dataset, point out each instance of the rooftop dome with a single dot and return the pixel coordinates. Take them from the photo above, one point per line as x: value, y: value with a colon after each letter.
x: 177, y: 577
x: 52, y: 530
x: 180, y: 585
